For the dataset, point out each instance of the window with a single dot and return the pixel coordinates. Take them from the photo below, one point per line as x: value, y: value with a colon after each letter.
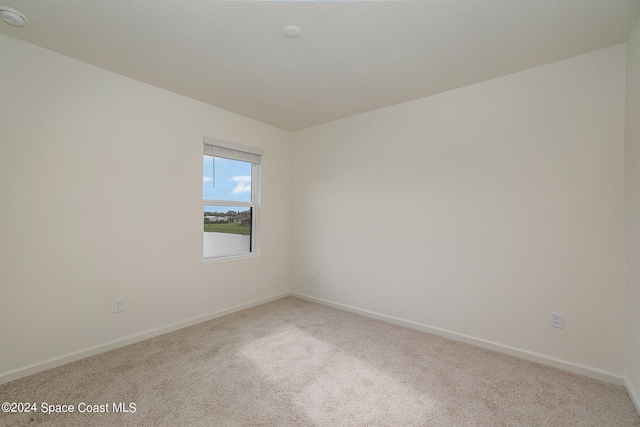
x: 230, y: 186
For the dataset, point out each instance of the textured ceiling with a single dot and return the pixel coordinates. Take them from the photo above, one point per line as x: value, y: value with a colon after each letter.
x: 351, y: 57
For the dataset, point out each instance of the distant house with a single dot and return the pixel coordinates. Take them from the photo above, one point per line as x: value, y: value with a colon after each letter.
x: 243, y: 218
x: 211, y: 219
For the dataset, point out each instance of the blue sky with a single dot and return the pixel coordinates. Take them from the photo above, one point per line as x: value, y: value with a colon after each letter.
x: 232, y: 180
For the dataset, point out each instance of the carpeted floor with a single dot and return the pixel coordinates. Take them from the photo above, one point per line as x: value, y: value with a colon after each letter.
x: 295, y: 363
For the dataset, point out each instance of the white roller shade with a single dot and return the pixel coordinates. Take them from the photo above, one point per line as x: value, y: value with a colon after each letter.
x: 228, y: 150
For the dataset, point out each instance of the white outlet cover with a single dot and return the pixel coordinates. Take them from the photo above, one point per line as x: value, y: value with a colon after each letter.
x: 555, y: 320
x: 118, y: 305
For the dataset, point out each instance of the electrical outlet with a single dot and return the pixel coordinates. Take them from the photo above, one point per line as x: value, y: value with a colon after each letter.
x: 118, y: 305
x: 555, y: 320
x: 312, y: 278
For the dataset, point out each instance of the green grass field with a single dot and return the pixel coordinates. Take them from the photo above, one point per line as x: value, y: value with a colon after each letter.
x: 227, y: 228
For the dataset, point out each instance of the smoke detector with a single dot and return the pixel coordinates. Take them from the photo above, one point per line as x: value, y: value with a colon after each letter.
x: 12, y: 16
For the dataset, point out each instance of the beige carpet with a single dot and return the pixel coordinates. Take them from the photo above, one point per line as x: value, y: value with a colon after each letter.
x: 296, y: 363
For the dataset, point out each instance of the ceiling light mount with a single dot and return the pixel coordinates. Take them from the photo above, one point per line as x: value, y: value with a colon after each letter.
x: 12, y: 16
x: 292, y: 32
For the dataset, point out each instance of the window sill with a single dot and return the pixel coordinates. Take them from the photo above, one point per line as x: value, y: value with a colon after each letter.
x: 228, y: 258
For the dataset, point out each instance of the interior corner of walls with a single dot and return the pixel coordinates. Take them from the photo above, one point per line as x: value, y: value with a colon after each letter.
x: 633, y: 394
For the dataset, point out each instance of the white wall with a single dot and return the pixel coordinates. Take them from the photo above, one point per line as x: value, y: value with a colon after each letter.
x: 100, y: 198
x: 478, y: 210
x: 632, y: 168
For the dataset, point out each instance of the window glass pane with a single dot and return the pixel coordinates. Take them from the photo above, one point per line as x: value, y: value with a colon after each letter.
x: 227, y: 231
x: 232, y: 180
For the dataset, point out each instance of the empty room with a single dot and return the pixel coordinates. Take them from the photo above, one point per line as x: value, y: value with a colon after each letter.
x: 320, y: 213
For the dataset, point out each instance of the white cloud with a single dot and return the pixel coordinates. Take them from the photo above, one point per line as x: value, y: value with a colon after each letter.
x: 243, y: 179
x: 207, y: 179
x: 243, y: 184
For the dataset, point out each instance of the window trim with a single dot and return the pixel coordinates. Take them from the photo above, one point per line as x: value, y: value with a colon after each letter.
x: 254, y: 204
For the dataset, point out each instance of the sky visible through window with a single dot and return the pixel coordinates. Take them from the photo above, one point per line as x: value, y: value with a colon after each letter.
x: 232, y: 180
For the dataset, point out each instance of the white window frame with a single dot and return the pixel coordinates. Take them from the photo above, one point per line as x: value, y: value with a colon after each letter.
x: 246, y: 154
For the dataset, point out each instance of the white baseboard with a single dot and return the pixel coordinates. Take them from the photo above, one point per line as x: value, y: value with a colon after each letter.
x: 633, y: 394
x: 576, y: 368
x: 585, y: 370
x: 34, y: 368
